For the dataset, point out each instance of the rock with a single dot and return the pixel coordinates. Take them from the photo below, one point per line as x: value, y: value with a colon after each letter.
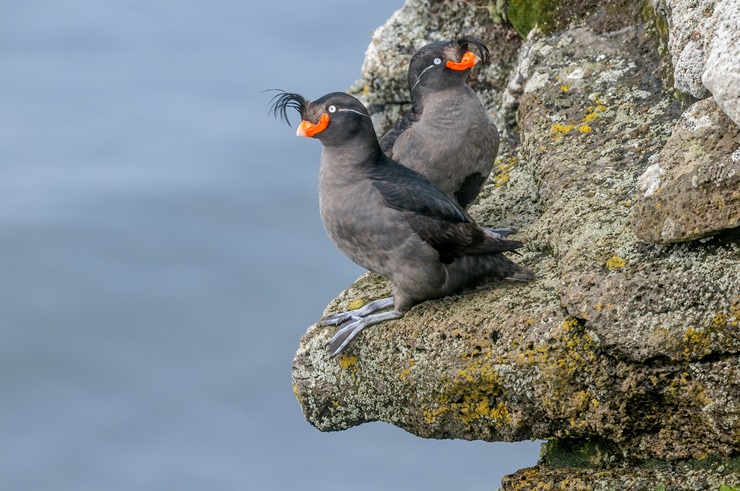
x: 705, y: 49
x: 552, y: 15
x: 722, y: 72
x: 693, y: 475
x: 690, y: 29
x: 692, y: 190
x: 586, y: 139
x: 626, y: 343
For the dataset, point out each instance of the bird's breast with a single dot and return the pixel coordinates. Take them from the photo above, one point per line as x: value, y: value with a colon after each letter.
x: 451, y: 140
x: 366, y: 229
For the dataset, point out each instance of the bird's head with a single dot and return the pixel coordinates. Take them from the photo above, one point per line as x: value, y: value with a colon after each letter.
x: 445, y: 63
x: 334, y: 118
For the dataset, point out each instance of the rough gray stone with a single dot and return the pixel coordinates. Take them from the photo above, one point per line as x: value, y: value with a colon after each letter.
x: 693, y: 476
x: 690, y: 24
x: 692, y: 190
x: 705, y: 49
x: 722, y: 73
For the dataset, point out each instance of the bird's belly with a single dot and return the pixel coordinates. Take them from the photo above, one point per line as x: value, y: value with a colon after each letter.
x: 377, y: 237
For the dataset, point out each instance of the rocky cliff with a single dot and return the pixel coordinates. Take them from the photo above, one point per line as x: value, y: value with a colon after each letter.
x: 620, y: 168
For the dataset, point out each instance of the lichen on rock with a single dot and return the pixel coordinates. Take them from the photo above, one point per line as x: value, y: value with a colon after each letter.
x: 624, y: 350
x: 693, y: 188
x: 705, y: 49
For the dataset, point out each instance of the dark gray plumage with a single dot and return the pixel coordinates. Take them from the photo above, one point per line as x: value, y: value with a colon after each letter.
x: 390, y: 219
x: 447, y: 135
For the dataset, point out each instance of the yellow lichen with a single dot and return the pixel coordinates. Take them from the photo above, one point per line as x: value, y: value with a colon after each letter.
x: 599, y: 105
x: 346, y: 362
x: 472, y: 394
x: 297, y: 394
x: 734, y: 317
x: 696, y: 342
x: 590, y: 117
x: 569, y: 324
x: 564, y: 88
x: 685, y: 388
x: 719, y: 320
x: 580, y: 399
x: 561, y: 129
x: 592, y: 112
x: 615, y: 262
x: 567, y: 398
x: 356, y: 304
x: 405, y: 372
x: 470, y: 411
x: 503, y: 170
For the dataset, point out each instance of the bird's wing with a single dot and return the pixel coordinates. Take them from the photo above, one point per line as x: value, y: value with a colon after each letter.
x: 433, y: 215
x: 389, y: 139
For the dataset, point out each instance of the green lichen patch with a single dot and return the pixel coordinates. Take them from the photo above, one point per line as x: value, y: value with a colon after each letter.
x: 551, y: 15
x: 582, y: 453
x: 656, y: 26
x: 525, y: 15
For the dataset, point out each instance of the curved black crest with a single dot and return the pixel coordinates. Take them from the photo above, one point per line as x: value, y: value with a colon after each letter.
x: 465, y: 40
x: 281, y: 102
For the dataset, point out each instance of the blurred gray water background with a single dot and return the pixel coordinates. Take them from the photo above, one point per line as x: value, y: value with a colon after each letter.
x: 161, y: 253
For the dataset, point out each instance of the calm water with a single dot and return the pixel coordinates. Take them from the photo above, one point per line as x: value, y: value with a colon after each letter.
x: 161, y: 253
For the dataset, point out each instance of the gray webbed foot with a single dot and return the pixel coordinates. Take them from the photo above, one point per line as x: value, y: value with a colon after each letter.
x: 374, y: 306
x: 347, y: 333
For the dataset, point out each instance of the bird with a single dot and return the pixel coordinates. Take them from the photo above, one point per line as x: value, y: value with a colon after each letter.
x: 447, y: 135
x: 390, y: 219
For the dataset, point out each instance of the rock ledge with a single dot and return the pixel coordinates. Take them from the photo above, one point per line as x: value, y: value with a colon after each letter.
x: 624, y: 351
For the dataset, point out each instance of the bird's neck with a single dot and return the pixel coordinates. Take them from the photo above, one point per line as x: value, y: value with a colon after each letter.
x: 423, y: 98
x: 354, y: 152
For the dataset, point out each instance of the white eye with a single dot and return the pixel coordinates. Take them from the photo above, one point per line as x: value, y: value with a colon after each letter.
x: 332, y: 108
x: 437, y: 61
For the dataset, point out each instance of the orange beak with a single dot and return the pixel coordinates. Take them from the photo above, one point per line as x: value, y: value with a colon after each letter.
x: 307, y: 128
x: 469, y: 59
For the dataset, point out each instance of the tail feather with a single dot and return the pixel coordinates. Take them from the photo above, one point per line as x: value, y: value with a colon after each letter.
x: 475, y: 272
x: 521, y: 274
